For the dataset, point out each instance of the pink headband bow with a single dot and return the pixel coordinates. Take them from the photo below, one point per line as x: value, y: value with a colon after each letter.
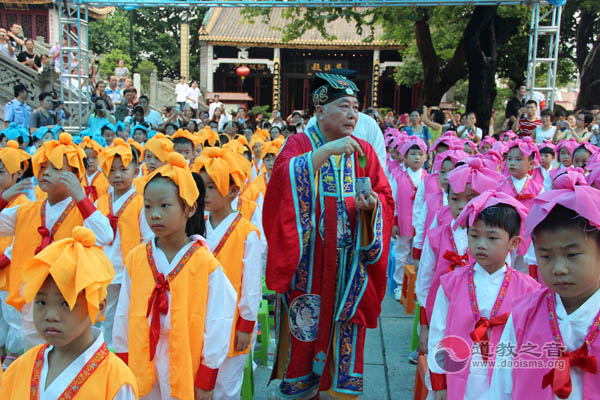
x: 470, y: 143
x: 584, y: 200
x: 487, y: 140
x: 485, y: 200
x: 413, y: 141
x: 594, y: 176
x: 588, y: 146
x: 398, y: 140
x: 494, y: 157
x: 450, y: 140
x: 548, y: 144
x: 475, y: 173
x: 454, y: 156
x: 510, y: 135
x: 594, y: 159
x: 500, y: 147
x: 570, y: 145
x: 526, y: 146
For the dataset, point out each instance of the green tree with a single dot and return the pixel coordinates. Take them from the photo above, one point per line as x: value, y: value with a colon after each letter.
x: 156, y: 37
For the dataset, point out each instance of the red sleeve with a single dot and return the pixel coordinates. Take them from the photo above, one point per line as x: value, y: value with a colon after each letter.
x: 279, y: 217
x: 417, y: 253
x: 438, y: 381
x: 423, y: 316
x: 86, y: 207
x: 243, y: 325
x: 3, y: 203
x: 4, y: 261
x: 206, y: 377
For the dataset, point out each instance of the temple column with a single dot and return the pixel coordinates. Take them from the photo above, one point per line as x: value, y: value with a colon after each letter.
x: 375, y: 79
x: 276, y: 78
x: 185, y: 51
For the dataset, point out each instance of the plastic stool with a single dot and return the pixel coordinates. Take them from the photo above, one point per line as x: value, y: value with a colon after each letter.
x: 248, y: 382
x: 414, y: 341
x: 420, y: 388
x: 264, y: 337
x: 408, y: 289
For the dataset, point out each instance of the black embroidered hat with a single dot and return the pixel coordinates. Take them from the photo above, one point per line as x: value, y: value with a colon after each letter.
x: 330, y: 87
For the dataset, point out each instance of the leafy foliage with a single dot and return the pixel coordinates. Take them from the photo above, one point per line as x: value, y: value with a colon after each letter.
x: 156, y: 37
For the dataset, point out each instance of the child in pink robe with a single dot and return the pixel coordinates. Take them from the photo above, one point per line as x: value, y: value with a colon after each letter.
x: 555, y: 330
x: 473, y: 303
x: 404, y: 190
x: 446, y: 248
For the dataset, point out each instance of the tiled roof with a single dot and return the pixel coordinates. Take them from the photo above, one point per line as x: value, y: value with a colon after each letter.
x: 228, y: 26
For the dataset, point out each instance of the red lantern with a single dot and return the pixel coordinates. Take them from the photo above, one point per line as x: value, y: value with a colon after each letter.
x: 243, y: 72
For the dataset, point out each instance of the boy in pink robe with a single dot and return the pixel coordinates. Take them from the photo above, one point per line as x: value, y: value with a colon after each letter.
x: 555, y: 330
x: 404, y: 190
x: 473, y: 303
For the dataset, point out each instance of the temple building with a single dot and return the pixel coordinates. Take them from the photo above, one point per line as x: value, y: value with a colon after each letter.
x: 281, y: 72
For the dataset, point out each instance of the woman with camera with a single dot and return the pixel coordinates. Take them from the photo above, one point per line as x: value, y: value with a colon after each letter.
x: 98, y: 117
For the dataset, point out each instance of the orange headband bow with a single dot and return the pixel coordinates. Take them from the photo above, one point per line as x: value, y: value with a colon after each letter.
x: 54, y: 151
x: 76, y: 264
x: 12, y: 157
x: 160, y: 145
x: 178, y: 171
x: 120, y: 148
x: 220, y: 164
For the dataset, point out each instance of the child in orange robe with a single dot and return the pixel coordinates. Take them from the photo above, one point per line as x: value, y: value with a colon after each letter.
x: 67, y: 281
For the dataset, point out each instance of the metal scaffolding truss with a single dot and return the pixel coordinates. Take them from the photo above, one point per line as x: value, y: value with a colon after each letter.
x: 544, y: 36
x: 74, y: 76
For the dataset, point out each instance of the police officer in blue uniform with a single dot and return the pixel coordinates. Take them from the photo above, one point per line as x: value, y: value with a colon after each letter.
x: 17, y: 110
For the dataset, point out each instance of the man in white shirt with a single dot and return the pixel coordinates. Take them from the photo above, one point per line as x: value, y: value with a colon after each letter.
x: 181, y: 91
x: 216, y: 103
x: 193, y: 96
x: 113, y: 92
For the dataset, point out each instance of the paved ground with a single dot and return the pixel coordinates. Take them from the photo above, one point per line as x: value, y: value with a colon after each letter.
x: 388, y: 374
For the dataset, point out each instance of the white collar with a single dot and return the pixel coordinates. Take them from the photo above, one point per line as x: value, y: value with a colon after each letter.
x: 60, y: 204
x: 584, y: 314
x: 479, y: 270
x: 522, y: 180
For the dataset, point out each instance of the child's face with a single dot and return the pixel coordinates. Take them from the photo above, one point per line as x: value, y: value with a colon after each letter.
x: 49, y: 177
x: 441, y: 147
x: 55, y: 322
x: 213, y: 199
x: 139, y: 136
x: 580, y: 158
x: 6, y: 179
x: 165, y: 211
x: 517, y: 164
x: 547, y: 159
x: 565, y: 157
x: 468, y: 149
x: 123, y: 135
x: 458, y: 201
x: 490, y: 245
x: 269, y: 162
x: 152, y: 162
x: 485, y: 148
x: 447, y: 166
x: 415, y: 159
x: 120, y: 176
x: 186, y: 150
x: 48, y: 136
x: 257, y: 150
x: 569, y: 262
x: 109, y: 136
x: 92, y: 161
x: 395, y: 154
